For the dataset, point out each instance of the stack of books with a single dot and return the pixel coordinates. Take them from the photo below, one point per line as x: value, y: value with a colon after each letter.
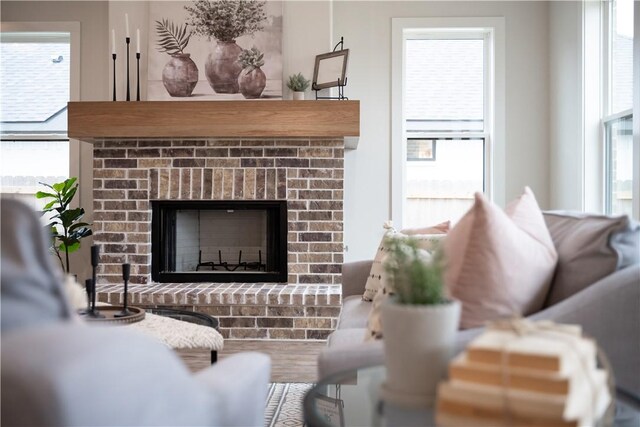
x: 537, y: 378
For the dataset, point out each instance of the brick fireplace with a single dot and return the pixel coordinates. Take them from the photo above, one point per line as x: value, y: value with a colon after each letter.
x: 306, y: 172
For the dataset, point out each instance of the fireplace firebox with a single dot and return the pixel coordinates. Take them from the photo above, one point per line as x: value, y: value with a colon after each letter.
x: 219, y: 241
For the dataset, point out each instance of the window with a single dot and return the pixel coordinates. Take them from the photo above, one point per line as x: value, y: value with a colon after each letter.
x: 619, y: 171
x: 618, y: 103
x: 444, y: 136
x: 36, y: 85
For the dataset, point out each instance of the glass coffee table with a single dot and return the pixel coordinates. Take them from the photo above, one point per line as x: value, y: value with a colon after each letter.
x: 353, y: 399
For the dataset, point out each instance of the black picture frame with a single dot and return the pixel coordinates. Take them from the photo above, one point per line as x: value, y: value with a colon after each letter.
x: 340, y: 80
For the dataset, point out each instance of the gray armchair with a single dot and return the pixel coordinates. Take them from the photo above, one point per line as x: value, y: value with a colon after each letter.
x: 57, y: 371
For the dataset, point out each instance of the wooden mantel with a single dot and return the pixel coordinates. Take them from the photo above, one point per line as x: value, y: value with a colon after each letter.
x: 214, y: 119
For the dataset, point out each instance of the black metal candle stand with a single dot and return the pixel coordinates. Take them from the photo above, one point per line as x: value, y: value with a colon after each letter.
x: 126, y: 270
x: 128, y: 40
x: 95, y: 261
x: 113, y: 55
x: 138, y: 76
x: 92, y: 311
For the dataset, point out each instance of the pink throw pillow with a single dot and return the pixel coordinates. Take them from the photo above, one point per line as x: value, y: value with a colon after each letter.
x: 499, y: 263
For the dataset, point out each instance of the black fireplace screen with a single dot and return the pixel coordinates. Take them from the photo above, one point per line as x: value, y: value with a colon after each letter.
x: 219, y: 241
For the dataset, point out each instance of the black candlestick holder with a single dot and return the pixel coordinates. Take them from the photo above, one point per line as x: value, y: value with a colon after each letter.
x: 138, y: 76
x: 128, y: 40
x: 126, y: 270
x: 95, y: 260
x: 87, y: 288
x: 113, y: 55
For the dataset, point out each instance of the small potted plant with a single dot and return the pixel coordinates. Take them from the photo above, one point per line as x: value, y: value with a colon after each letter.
x: 298, y: 84
x: 180, y: 75
x: 419, y: 323
x: 225, y: 21
x: 65, y: 222
x: 252, y: 79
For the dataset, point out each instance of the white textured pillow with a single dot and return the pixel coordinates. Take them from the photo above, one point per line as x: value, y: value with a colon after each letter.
x: 428, y: 242
x: 376, y: 275
x: 377, y: 271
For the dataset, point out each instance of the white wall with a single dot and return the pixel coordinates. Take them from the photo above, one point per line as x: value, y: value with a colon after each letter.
x: 565, y: 48
x: 366, y: 27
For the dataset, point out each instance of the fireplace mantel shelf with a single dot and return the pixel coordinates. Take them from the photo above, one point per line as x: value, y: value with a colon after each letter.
x: 214, y: 119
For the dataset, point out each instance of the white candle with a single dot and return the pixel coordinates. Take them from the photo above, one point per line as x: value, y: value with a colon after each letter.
x: 113, y: 41
x: 126, y: 21
x: 138, y: 40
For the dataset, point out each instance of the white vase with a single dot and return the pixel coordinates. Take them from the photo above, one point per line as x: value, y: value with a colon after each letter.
x: 418, y: 344
x: 298, y: 96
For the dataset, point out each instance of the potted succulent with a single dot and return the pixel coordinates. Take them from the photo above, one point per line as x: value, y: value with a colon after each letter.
x: 252, y: 79
x: 225, y: 21
x: 65, y: 222
x: 298, y: 84
x: 180, y: 75
x: 419, y: 323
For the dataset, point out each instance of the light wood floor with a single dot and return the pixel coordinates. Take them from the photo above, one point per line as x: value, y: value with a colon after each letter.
x: 291, y: 361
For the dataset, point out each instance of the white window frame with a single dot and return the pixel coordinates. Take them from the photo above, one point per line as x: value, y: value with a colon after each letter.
x: 592, y: 94
x: 608, y: 158
x: 609, y: 116
x: 73, y: 28
x: 636, y: 111
x: 494, y: 115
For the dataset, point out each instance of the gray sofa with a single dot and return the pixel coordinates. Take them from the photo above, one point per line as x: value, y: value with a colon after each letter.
x: 608, y: 310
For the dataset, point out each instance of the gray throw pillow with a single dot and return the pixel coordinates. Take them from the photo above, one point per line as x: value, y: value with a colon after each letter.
x: 589, y: 247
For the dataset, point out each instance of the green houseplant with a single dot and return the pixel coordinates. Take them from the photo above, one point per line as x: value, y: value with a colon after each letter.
x: 66, y: 225
x: 180, y: 74
x: 225, y: 21
x: 298, y: 84
x: 419, y: 323
x: 415, y: 274
x: 252, y: 80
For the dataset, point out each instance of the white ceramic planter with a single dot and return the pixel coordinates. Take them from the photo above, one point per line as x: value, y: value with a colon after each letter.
x: 298, y: 96
x: 418, y: 344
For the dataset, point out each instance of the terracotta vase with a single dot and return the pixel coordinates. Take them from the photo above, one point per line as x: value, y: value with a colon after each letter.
x: 252, y: 82
x: 418, y: 345
x: 222, y: 67
x: 180, y: 75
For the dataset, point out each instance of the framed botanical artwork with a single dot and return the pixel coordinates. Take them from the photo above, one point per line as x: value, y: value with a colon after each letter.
x: 215, y: 50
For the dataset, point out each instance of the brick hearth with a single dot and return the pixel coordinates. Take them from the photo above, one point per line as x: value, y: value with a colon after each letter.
x: 307, y: 173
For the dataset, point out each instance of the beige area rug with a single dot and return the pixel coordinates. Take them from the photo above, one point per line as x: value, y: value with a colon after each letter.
x: 284, y: 404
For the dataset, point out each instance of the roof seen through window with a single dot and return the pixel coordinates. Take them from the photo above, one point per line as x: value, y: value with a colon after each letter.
x: 35, y: 76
